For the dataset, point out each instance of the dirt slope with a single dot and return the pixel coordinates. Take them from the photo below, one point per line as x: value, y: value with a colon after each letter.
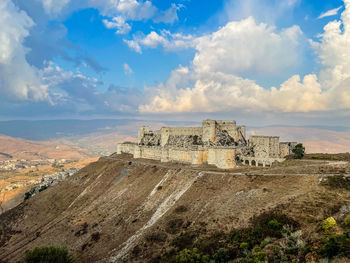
x: 32, y: 150
x: 105, y: 212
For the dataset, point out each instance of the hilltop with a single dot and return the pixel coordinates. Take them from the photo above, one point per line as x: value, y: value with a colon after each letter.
x: 122, y: 209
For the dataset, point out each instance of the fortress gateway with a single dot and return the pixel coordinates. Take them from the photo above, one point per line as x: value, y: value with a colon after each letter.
x: 220, y: 143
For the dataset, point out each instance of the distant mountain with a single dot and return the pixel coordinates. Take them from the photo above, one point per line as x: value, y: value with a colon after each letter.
x: 101, y: 136
x: 44, y: 130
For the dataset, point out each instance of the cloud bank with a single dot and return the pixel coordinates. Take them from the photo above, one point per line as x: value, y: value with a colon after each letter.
x: 18, y: 79
x: 213, y: 82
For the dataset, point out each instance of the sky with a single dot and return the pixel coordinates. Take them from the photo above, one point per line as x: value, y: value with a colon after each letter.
x: 260, y: 62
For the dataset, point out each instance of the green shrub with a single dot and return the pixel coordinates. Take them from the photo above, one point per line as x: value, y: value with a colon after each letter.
x: 260, y: 257
x: 347, y: 222
x: 299, y: 151
x: 221, y: 256
x: 184, y: 240
x: 336, y: 245
x: 328, y: 224
x: 27, y: 195
x: 210, y: 244
x: 275, y: 225
x: 192, y: 256
x: 50, y: 254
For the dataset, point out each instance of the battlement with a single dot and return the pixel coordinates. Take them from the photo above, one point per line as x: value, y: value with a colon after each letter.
x: 218, y: 142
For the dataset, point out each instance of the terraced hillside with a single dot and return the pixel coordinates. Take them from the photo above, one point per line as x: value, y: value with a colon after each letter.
x: 120, y: 209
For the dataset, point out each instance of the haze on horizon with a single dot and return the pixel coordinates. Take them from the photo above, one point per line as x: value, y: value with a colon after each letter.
x: 261, y: 62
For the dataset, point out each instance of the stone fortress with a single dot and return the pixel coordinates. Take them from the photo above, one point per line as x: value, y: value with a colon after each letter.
x: 219, y: 143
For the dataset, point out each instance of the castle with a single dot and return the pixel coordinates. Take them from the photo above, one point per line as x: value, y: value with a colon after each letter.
x: 219, y: 143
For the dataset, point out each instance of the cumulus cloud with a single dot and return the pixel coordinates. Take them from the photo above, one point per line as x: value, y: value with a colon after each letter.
x: 165, y: 39
x: 118, y: 23
x: 213, y: 82
x: 331, y: 12
x: 18, y: 79
x: 247, y: 46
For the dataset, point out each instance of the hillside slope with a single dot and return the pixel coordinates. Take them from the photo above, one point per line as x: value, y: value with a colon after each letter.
x: 126, y: 210
x: 30, y: 150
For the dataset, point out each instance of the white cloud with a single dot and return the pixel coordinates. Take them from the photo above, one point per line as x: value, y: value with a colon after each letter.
x: 220, y: 92
x: 130, y: 9
x: 54, y: 6
x: 134, y: 45
x: 166, y: 40
x: 119, y: 23
x: 213, y: 84
x: 169, y: 16
x: 18, y: 79
x: 331, y: 12
x: 127, y: 69
x: 246, y: 46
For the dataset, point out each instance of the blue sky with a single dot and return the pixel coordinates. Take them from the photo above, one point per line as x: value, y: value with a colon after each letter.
x: 176, y: 59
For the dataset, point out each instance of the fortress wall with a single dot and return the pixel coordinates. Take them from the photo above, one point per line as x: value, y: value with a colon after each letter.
x: 126, y: 148
x: 174, y: 131
x: 265, y: 146
x: 209, y: 130
x: 274, y: 147
x: 150, y: 152
x: 242, y: 130
x: 223, y: 158
x: 141, y: 132
x: 184, y: 155
x: 184, y: 131
x: 286, y: 148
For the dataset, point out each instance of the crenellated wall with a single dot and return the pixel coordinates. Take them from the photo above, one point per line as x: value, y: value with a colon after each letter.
x: 222, y: 157
x: 265, y: 146
x: 286, y: 148
x: 219, y: 143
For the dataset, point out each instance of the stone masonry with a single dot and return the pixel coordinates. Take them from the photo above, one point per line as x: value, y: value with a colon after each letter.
x: 219, y: 143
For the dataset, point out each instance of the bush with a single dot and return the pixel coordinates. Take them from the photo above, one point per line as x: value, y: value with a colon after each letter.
x: 336, y: 245
x: 260, y: 257
x: 50, y: 254
x: 156, y: 237
x: 185, y: 240
x: 221, y: 256
x: 192, y: 256
x: 299, y: 151
x: 210, y: 244
x: 42, y: 188
x: 328, y: 224
x: 275, y: 225
x: 174, y: 225
x: 347, y: 222
x: 337, y: 181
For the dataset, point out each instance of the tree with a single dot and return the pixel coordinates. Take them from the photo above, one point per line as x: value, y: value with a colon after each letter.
x: 47, y: 255
x: 299, y: 151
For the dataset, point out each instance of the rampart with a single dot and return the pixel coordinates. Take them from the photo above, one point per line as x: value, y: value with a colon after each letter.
x: 219, y: 143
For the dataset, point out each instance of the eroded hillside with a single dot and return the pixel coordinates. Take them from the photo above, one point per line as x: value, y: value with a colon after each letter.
x: 120, y: 209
